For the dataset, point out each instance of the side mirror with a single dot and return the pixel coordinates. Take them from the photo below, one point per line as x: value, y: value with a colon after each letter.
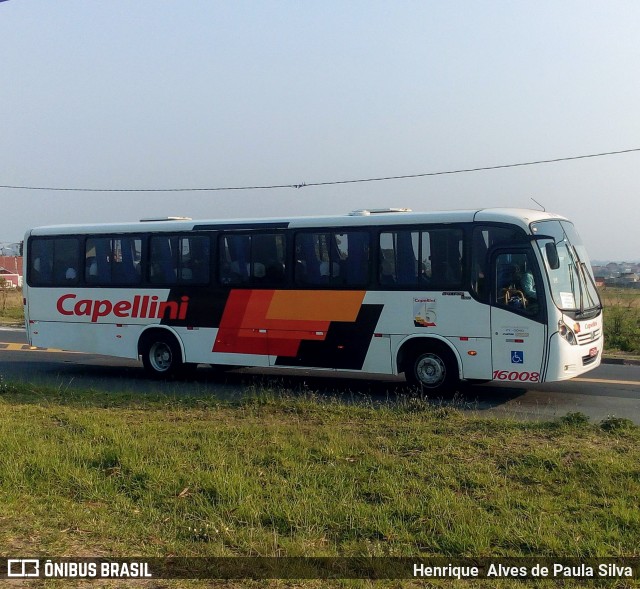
x: 552, y: 255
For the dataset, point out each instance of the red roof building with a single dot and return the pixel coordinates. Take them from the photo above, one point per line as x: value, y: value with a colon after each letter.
x: 11, y: 270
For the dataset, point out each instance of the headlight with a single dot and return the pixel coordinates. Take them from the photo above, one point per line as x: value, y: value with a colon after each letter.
x: 567, y: 333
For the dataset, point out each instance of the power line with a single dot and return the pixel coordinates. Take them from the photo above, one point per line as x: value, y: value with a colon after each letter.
x: 328, y: 183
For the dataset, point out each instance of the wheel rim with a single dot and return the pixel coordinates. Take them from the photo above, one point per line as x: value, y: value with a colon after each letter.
x: 430, y: 370
x: 160, y: 356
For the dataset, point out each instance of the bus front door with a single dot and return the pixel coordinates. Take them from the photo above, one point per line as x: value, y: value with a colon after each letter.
x: 518, y: 326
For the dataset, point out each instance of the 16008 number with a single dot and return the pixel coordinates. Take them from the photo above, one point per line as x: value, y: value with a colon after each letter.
x: 516, y: 376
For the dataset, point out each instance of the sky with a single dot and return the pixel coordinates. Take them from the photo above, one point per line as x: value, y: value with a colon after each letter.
x: 204, y: 94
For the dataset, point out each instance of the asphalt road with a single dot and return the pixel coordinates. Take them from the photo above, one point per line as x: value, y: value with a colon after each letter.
x: 610, y: 390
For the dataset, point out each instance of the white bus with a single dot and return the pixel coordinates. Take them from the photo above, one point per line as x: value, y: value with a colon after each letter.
x: 478, y: 295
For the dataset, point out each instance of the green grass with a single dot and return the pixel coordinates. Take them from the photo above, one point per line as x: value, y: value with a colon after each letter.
x: 285, y: 475
x: 622, y: 319
x: 11, y: 310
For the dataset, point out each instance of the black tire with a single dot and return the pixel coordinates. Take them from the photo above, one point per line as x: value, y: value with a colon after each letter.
x: 434, y: 369
x: 161, y: 355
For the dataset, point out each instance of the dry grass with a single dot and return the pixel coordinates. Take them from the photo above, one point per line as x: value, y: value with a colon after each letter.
x: 11, y: 310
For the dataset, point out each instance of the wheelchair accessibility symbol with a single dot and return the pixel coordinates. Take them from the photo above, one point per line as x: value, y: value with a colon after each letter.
x: 517, y: 357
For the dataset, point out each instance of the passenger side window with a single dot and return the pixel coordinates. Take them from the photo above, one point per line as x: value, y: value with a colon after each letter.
x: 421, y: 259
x: 41, y: 262
x: 179, y: 259
x: 194, y: 260
x: 399, y: 255
x: 252, y: 259
x: 54, y: 261
x: 268, y: 253
x: 113, y: 260
x: 336, y: 259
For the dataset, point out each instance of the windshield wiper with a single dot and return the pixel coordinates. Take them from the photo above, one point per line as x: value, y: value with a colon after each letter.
x: 578, y: 265
x: 587, y: 277
x: 584, y: 278
x: 573, y: 267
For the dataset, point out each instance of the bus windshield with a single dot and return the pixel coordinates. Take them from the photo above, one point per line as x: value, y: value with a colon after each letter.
x: 572, y: 284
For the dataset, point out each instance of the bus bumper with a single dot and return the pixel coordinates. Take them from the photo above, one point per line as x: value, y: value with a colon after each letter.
x: 566, y: 361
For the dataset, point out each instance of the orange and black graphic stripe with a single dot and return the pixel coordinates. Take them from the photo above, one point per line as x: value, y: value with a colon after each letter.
x: 315, y: 328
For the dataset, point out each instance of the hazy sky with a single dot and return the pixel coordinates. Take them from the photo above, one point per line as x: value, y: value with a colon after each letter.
x: 201, y: 93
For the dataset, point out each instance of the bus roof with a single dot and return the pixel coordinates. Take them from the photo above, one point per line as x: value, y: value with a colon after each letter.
x: 519, y: 217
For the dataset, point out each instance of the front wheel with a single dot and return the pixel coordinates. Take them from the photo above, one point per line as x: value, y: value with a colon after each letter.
x: 434, y: 369
x: 161, y: 355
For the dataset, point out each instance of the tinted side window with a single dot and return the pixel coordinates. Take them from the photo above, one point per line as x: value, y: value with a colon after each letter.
x: 54, y: 261
x: 399, y: 258
x: 421, y: 259
x: 256, y: 260
x: 332, y: 258
x: 41, y: 262
x: 194, y: 261
x: 268, y: 253
x: 113, y: 260
x: 177, y: 259
x: 235, y: 259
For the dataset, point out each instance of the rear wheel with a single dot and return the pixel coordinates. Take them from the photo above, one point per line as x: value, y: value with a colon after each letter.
x: 435, y: 369
x: 161, y: 355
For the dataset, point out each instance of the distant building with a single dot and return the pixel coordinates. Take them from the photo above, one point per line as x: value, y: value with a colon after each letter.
x: 619, y: 274
x: 11, y: 270
x: 629, y: 278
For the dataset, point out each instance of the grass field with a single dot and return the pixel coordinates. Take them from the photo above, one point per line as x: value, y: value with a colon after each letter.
x: 11, y: 305
x: 621, y: 319
x: 90, y: 473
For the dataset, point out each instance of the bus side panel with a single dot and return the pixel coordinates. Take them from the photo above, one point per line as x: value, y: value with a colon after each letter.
x: 452, y: 318
x: 91, y: 338
x: 475, y: 355
x: 378, y: 359
x: 107, y: 322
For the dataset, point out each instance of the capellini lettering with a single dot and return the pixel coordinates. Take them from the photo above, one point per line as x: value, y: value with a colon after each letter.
x: 141, y: 307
